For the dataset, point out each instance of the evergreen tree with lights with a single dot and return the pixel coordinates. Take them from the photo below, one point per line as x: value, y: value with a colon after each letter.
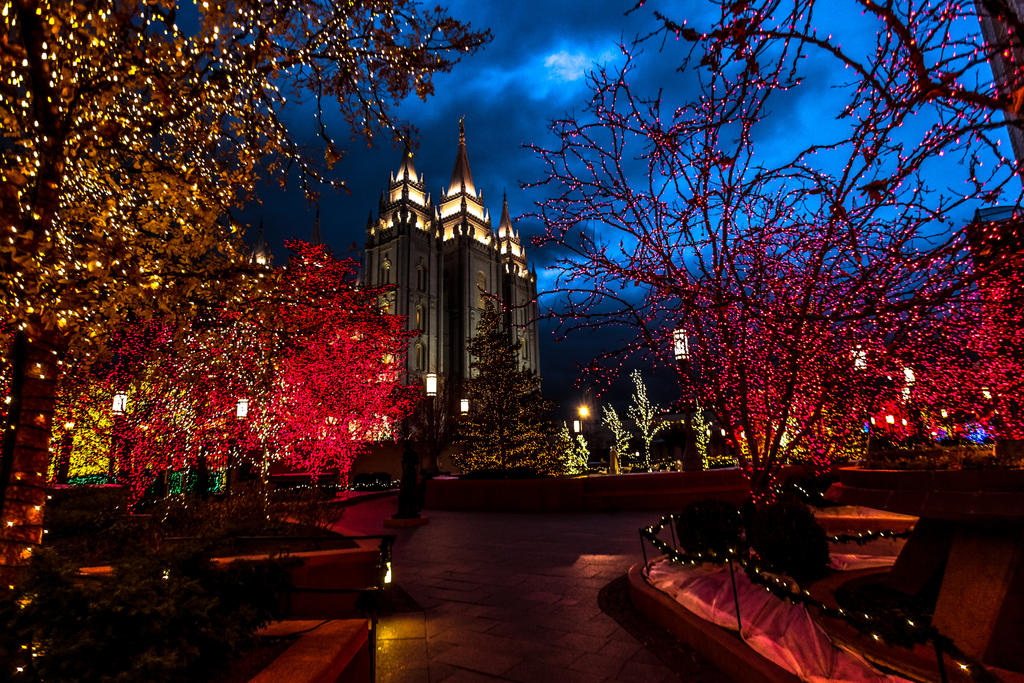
x: 508, y: 428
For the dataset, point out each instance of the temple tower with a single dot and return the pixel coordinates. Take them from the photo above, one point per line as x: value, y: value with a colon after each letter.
x: 445, y: 261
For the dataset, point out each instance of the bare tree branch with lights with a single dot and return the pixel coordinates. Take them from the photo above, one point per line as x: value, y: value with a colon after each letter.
x: 127, y: 138
x: 799, y: 268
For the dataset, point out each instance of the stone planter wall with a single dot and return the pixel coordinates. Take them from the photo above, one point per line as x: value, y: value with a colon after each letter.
x: 661, y: 491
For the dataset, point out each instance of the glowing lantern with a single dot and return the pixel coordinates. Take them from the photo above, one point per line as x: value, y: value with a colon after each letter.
x: 680, y: 345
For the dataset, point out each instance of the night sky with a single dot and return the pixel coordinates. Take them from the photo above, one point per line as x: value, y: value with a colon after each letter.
x: 531, y: 73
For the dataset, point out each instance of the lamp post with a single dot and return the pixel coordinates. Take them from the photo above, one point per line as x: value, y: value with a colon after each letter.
x: 241, y: 413
x: 64, y: 464
x: 681, y: 352
x: 118, y: 408
x: 583, y: 411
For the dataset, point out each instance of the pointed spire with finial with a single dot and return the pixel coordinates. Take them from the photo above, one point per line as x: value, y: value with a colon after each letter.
x: 261, y: 250
x: 316, y: 239
x: 505, y: 224
x: 407, y: 171
x: 462, y: 178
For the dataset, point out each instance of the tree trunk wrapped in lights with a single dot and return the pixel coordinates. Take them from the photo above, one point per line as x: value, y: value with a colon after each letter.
x: 125, y: 139
x: 800, y: 266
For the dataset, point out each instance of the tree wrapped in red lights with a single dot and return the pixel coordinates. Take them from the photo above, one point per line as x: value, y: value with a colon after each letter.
x: 307, y: 372
x: 338, y: 383
x: 799, y: 268
x: 124, y: 141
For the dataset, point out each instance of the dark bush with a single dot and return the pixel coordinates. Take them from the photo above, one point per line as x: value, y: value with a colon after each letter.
x: 372, y: 481
x: 787, y: 540
x: 710, y: 526
x: 78, y: 510
x: 525, y: 472
x: 168, y: 616
x: 810, y: 489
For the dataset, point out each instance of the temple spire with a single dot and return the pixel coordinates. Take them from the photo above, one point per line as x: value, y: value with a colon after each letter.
x: 261, y: 250
x: 315, y: 238
x: 505, y: 224
x: 407, y: 171
x: 462, y: 177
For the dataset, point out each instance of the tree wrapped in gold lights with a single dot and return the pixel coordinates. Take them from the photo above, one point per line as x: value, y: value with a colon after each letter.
x: 124, y: 140
x: 800, y: 267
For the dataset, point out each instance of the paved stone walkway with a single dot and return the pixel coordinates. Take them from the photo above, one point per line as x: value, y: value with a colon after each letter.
x: 509, y: 597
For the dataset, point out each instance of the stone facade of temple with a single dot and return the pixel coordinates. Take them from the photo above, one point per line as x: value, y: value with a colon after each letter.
x: 446, y: 259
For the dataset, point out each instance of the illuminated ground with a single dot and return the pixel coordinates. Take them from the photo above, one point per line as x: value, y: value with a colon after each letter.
x: 514, y: 597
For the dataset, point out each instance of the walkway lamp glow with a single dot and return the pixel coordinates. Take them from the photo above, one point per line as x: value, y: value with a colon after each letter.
x: 242, y: 408
x: 430, y: 384
x: 464, y: 406
x: 120, y: 403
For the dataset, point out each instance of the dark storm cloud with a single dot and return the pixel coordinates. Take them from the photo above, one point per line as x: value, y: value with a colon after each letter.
x: 533, y: 72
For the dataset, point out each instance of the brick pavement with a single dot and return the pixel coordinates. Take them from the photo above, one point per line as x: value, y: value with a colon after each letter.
x: 508, y: 597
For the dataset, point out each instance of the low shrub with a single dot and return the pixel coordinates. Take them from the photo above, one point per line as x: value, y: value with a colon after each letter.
x: 524, y: 472
x: 787, y: 539
x: 710, y: 526
x: 372, y: 481
x: 307, y: 508
x: 952, y: 457
x: 168, y: 616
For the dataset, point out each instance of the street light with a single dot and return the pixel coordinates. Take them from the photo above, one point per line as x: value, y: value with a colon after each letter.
x: 431, y: 384
x: 584, y: 412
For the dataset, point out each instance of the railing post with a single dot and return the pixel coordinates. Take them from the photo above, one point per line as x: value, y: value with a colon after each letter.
x: 735, y: 598
x: 942, y: 662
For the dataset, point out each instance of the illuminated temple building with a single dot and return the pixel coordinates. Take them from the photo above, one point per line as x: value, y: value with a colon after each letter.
x: 446, y: 260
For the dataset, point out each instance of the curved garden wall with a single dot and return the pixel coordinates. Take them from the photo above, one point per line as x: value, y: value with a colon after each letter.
x: 646, y: 491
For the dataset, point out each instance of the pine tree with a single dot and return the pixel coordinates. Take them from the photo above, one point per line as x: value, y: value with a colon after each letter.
x: 509, y: 427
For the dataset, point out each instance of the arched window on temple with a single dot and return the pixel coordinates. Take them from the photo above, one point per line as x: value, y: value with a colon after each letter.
x: 481, y: 289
